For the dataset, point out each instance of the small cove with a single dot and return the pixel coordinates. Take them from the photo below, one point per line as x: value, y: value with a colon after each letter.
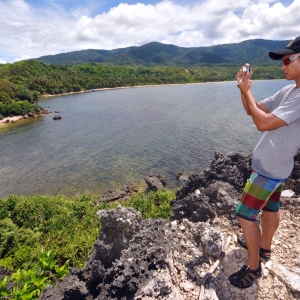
x: 108, y: 138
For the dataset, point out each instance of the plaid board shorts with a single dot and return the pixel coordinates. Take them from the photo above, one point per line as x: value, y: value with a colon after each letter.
x: 260, y: 193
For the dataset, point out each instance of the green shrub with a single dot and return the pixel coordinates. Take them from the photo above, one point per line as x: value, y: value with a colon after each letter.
x: 19, y: 108
x: 67, y: 226
x: 28, y: 284
x: 151, y: 205
x: 20, y: 243
x: 24, y: 94
x: 4, y: 97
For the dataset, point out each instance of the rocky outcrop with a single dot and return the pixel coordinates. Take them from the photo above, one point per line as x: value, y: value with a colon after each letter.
x: 119, y: 194
x: 38, y: 114
x: 166, y: 259
x: 41, y: 112
x: 155, y: 182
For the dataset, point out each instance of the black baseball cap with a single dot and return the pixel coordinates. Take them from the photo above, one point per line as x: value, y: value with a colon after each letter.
x: 292, y: 48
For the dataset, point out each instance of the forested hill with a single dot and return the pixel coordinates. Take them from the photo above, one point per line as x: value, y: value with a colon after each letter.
x: 157, y: 54
x: 22, y: 83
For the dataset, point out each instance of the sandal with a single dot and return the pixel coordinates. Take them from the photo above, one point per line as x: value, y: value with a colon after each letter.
x: 262, y: 251
x: 245, y: 277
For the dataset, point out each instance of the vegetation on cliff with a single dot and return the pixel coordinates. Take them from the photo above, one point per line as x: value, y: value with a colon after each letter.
x: 42, y: 236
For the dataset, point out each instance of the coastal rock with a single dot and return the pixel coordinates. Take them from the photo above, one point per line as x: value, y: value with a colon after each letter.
x: 234, y: 169
x: 219, y: 198
x: 112, y: 195
x: 167, y: 259
x: 212, y: 241
x: 155, y: 182
x: 119, y: 194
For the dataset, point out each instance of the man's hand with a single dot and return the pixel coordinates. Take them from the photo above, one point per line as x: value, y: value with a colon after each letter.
x: 262, y: 118
x: 244, y: 81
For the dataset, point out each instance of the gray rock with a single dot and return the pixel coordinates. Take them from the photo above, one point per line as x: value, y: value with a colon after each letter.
x: 291, y: 278
x: 155, y: 182
x: 119, y: 194
x: 212, y: 241
x: 126, y: 254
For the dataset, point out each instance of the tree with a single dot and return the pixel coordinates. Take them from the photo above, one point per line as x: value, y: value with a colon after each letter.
x: 35, y: 96
x: 25, y: 94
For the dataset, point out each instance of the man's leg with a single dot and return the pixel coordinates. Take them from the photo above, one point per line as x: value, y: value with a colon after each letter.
x: 245, y: 277
x: 257, y: 193
x: 270, y: 219
x: 269, y: 224
x: 252, y: 237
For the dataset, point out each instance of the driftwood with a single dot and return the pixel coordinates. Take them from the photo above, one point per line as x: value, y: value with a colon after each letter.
x: 213, y: 268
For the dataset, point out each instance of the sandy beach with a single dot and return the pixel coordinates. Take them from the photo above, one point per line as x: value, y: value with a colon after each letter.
x: 10, y: 119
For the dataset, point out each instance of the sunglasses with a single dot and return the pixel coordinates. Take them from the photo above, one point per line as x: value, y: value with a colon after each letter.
x: 286, y: 61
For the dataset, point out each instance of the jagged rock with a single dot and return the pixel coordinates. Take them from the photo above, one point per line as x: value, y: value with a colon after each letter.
x: 130, y: 188
x: 218, y: 198
x: 234, y: 169
x: 167, y: 259
x: 212, y: 242
x: 195, y: 208
x: 124, y: 193
x: 118, y: 228
x: 127, y: 252
x: 155, y: 182
x: 112, y: 195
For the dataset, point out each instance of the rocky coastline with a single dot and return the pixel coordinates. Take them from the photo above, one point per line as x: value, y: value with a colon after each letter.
x: 40, y: 113
x: 168, y: 259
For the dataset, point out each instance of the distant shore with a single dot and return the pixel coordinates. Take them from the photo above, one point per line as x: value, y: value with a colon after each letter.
x: 104, y: 89
x: 130, y: 87
x: 8, y: 120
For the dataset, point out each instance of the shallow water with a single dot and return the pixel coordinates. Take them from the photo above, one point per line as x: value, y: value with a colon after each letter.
x: 108, y: 138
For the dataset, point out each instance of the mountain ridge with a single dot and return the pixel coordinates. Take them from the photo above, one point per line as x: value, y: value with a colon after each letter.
x: 159, y: 54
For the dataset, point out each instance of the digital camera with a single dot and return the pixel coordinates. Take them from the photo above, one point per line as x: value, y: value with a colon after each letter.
x: 247, y: 68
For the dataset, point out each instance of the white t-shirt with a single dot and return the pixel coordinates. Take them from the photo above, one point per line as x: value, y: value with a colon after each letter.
x: 274, y: 153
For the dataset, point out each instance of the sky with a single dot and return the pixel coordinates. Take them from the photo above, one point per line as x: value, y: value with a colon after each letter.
x: 33, y: 28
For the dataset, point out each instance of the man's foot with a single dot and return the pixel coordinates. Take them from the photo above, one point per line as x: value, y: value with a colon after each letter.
x: 263, y: 253
x: 245, y: 277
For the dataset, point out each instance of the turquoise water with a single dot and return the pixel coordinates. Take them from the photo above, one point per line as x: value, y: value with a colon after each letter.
x: 108, y: 138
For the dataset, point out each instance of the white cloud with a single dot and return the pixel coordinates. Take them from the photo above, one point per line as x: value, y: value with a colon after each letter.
x: 27, y: 31
x: 2, y: 61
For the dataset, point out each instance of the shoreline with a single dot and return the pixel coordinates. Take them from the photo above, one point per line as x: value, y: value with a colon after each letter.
x: 105, y: 89
x: 14, y: 119
x: 141, y: 86
x: 9, y: 120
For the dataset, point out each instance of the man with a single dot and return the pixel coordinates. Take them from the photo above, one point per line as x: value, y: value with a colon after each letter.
x: 278, y: 117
